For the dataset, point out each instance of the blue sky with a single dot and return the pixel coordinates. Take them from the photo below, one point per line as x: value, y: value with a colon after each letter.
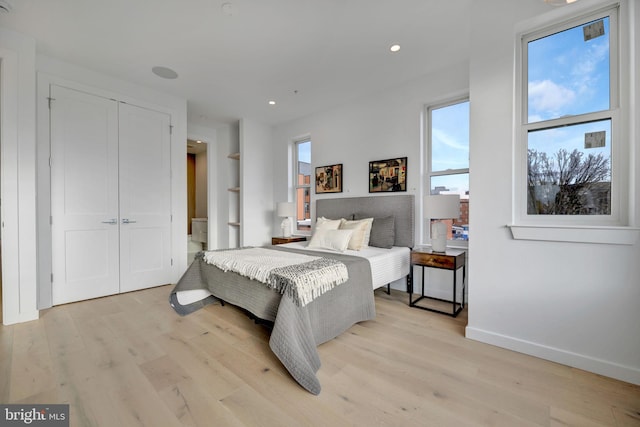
x: 450, y: 145
x: 450, y: 137
x: 568, y: 76
x: 304, y: 152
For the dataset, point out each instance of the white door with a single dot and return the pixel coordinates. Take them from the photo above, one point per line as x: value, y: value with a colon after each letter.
x: 84, y: 195
x: 145, y: 198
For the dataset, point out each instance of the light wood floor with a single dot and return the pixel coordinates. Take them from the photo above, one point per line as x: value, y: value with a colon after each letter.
x: 129, y: 360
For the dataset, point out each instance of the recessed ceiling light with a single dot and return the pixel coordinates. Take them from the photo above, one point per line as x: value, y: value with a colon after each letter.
x: 164, y: 72
x: 394, y: 47
x: 559, y: 2
x: 198, y: 142
x: 272, y: 102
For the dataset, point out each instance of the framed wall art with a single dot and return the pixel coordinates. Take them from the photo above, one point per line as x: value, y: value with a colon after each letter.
x: 388, y: 175
x: 329, y: 179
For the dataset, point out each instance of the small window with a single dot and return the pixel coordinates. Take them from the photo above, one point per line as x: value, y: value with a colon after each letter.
x: 448, y: 160
x: 302, y: 169
x: 569, y: 120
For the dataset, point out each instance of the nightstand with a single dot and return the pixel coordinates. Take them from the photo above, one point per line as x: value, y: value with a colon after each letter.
x: 290, y: 239
x: 452, y: 259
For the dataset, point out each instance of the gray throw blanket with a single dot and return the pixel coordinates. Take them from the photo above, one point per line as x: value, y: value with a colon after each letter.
x: 300, y: 276
x: 297, y: 330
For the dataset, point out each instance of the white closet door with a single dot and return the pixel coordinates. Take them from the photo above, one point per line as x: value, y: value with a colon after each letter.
x: 145, y: 198
x: 84, y: 195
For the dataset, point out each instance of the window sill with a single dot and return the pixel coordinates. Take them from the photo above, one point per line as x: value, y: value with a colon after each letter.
x: 576, y: 234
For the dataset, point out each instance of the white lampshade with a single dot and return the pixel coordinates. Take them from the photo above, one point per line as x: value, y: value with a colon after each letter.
x: 441, y: 206
x: 286, y: 209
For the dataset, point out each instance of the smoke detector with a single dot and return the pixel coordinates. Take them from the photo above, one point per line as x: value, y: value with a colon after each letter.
x: 5, y: 6
x: 164, y: 72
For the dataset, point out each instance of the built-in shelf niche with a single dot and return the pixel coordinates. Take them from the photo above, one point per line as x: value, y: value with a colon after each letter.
x: 234, y: 205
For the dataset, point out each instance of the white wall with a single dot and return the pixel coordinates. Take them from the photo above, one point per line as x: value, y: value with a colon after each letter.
x: 18, y: 168
x: 379, y: 126
x: 573, y: 303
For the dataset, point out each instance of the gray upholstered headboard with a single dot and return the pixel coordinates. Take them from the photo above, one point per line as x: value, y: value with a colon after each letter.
x: 400, y: 206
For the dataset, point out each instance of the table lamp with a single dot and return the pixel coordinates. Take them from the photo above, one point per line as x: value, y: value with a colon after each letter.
x: 438, y: 207
x: 286, y: 210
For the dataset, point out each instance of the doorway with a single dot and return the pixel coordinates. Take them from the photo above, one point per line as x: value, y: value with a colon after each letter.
x: 197, y: 198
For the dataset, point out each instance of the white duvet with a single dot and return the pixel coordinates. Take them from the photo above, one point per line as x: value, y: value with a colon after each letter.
x: 387, y: 265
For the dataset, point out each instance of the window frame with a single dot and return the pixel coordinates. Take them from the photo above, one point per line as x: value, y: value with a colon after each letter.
x: 297, y: 186
x: 429, y: 173
x: 612, y: 228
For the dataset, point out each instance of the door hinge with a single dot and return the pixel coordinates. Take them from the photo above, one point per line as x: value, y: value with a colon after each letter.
x: 171, y: 261
x: 49, y: 99
x: 51, y: 277
x: 171, y: 218
x: 170, y: 129
x: 51, y: 220
x: 50, y: 162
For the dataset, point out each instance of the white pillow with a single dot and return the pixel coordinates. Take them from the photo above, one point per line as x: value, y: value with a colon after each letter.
x: 361, y: 232
x: 323, y: 223
x: 336, y: 240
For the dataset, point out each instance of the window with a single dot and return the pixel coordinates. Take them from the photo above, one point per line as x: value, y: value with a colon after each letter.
x: 448, y: 159
x: 574, y: 117
x: 570, y: 122
x: 302, y: 170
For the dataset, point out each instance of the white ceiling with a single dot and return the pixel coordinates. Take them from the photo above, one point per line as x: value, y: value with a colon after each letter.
x: 307, y: 55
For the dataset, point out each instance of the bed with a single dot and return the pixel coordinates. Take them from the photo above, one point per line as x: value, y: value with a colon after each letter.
x: 298, y: 328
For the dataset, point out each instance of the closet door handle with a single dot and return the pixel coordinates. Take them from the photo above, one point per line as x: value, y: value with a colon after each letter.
x: 128, y: 221
x: 111, y: 221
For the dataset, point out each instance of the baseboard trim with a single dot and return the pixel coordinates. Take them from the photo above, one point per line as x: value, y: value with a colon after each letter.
x: 590, y: 364
x: 9, y: 319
